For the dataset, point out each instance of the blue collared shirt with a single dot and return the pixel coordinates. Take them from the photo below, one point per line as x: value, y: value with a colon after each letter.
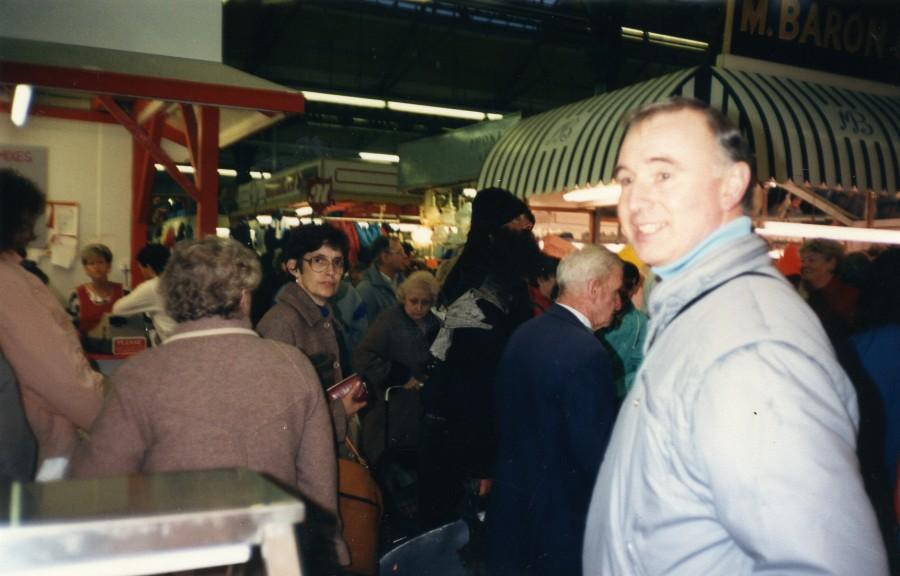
x: 738, y: 227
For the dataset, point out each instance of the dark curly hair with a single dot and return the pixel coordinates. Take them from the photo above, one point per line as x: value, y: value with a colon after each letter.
x: 20, y: 202
x: 310, y: 238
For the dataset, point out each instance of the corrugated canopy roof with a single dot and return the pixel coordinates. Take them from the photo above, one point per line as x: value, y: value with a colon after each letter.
x: 801, y: 132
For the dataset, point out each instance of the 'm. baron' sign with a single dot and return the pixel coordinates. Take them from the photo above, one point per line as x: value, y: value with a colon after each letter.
x: 842, y: 36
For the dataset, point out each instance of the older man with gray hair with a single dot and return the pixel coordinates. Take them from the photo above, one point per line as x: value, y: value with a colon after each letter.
x: 556, y: 405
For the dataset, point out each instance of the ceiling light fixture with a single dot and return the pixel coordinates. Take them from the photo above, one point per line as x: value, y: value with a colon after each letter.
x: 18, y: 113
x: 380, y: 158
x: 469, y: 192
x: 677, y: 41
x: 346, y: 100
x: 596, y: 195
x: 185, y: 169
x: 409, y: 107
x: 304, y: 211
x: 845, y: 233
x: 663, y: 39
x: 435, y: 110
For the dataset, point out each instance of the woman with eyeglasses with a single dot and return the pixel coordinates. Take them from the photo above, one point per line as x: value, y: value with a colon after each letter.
x: 393, y: 354
x: 315, y: 256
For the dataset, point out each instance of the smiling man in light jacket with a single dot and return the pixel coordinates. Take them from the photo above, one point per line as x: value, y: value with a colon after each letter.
x: 735, y: 451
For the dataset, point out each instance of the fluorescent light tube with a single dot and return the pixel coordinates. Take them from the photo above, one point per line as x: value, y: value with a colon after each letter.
x: 845, y: 233
x: 304, y: 211
x: 346, y: 100
x: 469, y: 192
x: 598, y: 195
x: 435, y: 110
x: 382, y: 158
x: 264, y: 219
x: 493, y: 116
x: 18, y: 113
x: 677, y: 41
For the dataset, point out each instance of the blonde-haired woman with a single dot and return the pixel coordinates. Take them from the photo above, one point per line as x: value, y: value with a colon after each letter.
x: 91, y: 300
x: 394, y: 352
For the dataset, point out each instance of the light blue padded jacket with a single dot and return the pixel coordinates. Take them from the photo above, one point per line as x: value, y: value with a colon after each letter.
x: 734, y: 452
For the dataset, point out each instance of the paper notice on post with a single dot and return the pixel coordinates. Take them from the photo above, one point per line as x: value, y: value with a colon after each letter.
x: 65, y: 218
x: 63, y: 250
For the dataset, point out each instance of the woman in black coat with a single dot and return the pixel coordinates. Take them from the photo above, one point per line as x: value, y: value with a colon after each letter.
x: 394, y: 353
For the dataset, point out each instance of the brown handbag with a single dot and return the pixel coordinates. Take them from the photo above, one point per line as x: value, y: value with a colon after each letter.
x: 361, y: 509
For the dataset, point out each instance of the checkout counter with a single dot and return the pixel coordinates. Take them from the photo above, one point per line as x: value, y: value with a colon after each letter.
x: 114, y: 340
x: 147, y: 524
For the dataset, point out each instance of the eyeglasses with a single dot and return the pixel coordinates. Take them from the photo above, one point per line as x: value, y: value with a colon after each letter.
x: 321, y: 263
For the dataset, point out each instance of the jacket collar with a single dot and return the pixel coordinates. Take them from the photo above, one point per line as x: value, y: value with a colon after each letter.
x: 375, y: 278
x: 210, y: 323
x: 720, y: 264
x: 296, y: 298
x: 566, y: 313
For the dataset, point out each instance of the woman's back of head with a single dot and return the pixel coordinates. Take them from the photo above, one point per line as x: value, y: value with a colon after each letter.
x: 208, y: 278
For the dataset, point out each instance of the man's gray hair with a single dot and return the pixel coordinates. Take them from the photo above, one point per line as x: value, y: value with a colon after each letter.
x: 580, y: 267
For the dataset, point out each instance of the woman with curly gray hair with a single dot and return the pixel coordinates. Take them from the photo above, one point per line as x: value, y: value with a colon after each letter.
x: 215, y: 394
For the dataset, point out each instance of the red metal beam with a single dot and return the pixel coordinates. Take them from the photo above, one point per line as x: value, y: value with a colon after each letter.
x: 137, y: 86
x: 172, y: 133
x: 139, y: 157
x: 190, y: 132
x: 64, y: 113
x: 207, y: 172
x: 142, y: 191
x: 154, y: 149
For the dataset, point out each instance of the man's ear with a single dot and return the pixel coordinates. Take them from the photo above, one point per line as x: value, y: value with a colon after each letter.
x: 735, y: 180
x: 594, y: 288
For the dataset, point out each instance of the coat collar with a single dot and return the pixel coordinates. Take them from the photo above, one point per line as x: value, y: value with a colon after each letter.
x: 296, y: 298
x: 375, y: 278
x: 718, y: 265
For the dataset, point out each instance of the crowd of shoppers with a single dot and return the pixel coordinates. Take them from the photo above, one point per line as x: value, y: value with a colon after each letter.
x: 715, y: 432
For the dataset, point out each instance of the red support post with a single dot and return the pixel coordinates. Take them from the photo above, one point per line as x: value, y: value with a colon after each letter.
x: 191, y: 132
x: 142, y: 191
x: 207, y: 172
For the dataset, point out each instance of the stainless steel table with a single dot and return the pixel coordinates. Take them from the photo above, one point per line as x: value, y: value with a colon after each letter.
x: 147, y: 524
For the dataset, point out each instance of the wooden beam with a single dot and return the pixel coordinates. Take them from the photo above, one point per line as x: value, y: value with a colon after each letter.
x: 822, y: 204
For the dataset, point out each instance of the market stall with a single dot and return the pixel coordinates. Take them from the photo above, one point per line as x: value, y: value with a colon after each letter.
x: 830, y: 143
